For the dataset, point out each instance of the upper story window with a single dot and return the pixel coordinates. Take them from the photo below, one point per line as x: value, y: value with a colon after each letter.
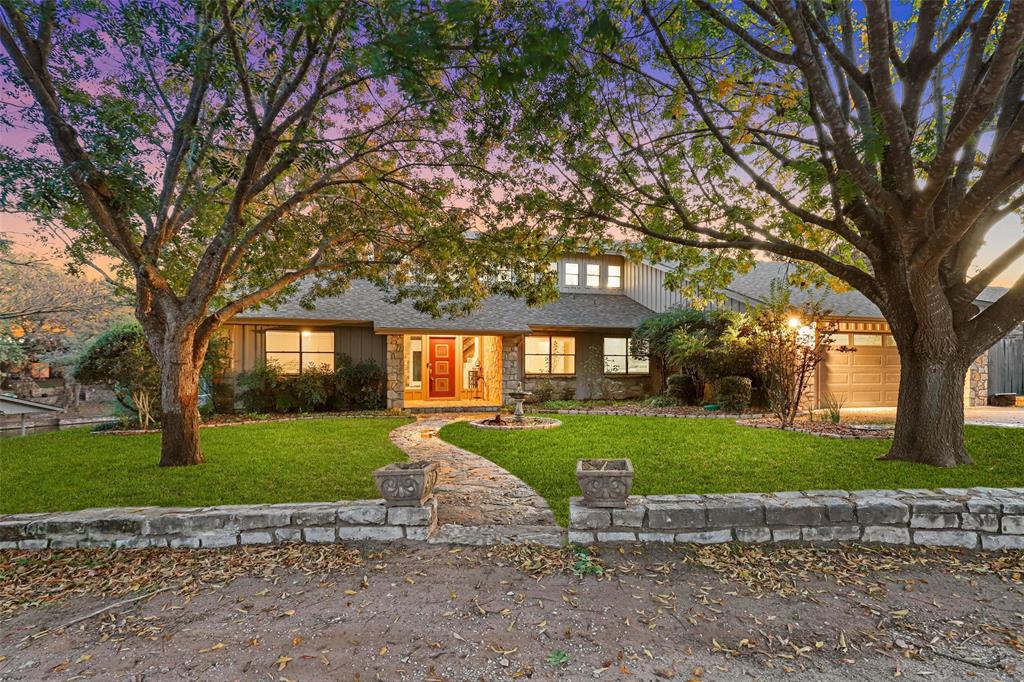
x: 614, y: 276
x: 294, y: 351
x: 618, y: 357
x: 550, y: 355
x: 593, y: 275
x: 572, y: 274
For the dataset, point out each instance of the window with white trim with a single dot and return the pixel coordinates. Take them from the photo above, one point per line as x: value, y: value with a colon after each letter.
x: 550, y: 355
x: 572, y: 274
x: 593, y: 275
x: 415, y: 362
x: 618, y: 357
x: 294, y: 351
x: 614, y: 277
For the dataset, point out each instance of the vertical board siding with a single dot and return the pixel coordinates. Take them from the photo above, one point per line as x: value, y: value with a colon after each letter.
x: 1006, y: 366
x: 360, y: 343
x: 248, y: 347
x: 582, y: 260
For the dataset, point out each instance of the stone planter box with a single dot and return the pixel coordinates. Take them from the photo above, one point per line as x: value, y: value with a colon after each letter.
x: 406, y: 484
x: 605, y: 482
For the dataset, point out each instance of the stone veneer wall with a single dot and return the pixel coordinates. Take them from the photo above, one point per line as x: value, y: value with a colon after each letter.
x: 395, y: 370
x: 990, y: 517
x: 225, y: 526
x: 976, y: 387
x: 511, y: 365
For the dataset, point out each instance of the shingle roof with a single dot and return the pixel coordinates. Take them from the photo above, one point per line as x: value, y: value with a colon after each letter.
x: 755, y: 285
x: 366, y: 303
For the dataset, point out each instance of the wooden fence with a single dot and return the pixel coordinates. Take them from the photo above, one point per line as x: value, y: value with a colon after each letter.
x: 1006, y: 366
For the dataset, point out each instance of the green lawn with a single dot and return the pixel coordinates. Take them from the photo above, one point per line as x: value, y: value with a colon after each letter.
x: 317, y: 460
x: 672, y: 456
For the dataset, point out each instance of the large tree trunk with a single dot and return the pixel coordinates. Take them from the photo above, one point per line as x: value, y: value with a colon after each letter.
x: 179, y: 403
x: 930, y: 412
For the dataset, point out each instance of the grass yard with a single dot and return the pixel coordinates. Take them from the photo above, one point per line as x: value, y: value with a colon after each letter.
x: 673, y: 456
x: 316, y: 460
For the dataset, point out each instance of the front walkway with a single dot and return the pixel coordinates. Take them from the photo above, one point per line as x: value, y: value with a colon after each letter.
x: 471, y: 490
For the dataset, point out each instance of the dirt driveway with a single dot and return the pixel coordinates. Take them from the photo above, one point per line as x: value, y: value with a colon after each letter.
x: 439, y: 613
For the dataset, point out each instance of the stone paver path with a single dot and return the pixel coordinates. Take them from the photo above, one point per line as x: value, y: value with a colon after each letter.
x: 471, y: 490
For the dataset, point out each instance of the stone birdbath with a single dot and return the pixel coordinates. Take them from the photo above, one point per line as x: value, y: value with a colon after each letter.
x: 518, y: 396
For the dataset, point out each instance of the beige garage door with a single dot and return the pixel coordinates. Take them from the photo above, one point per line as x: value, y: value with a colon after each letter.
x: 868, y: 376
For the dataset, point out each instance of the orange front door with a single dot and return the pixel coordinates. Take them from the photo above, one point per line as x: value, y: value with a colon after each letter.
x: 441, y: 367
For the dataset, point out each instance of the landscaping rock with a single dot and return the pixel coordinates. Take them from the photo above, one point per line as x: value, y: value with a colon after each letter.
x: 935, y: 521
x: 753, y: 535
x: 881, y: 510
x: 888, y: 535
x: 680, y: 515
x: 735, y: 513
x: 632, y: 516
x: 256, y: 537
x: 785, y: 534
x: 587, y: 518
x: 707, y: 537
x: 985, y: 522
x: 1001, y: 542
x: 369, y: 533
x: 315, y: 515
x: 413, y: 516
x: 794, y: 511
x: 830, y: 533
x: 946, y: 538
x: 1013, y: 525
x: 320, y: 534
x: 615, y: 536
x: 362, y: 513
x: 217, y: 539
x: 580, y: 537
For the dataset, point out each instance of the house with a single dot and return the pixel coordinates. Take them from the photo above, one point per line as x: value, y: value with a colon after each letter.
x: 577, y: 346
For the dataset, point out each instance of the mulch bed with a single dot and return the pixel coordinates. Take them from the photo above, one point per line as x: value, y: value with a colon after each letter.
x: 823, y: 428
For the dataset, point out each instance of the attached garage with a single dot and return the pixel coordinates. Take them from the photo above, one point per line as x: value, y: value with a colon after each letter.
x: 861, y: 370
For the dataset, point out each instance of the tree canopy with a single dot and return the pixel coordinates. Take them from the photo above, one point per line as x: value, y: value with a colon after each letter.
x: 219, y: 152
x: 874, y: 143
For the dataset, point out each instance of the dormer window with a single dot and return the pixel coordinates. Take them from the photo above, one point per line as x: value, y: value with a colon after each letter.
x: 572, y: 274
x: 593, y: 275
x: 614, y: 276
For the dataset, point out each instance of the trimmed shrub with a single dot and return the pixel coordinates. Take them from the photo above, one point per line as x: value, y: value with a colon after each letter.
x: 684, y: 388
x: 309, y: 392
x: 257, y: 388
x: 359, y: 386
x: 544, y: 392
x: 662, y: 400
x: 733, y: 393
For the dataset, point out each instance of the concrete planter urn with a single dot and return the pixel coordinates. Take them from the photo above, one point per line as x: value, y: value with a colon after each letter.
x: 406, y: 484
x: 605, y: 482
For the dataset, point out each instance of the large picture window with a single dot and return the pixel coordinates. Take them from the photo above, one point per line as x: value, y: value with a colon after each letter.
x: 618, y: 358
x: 550, y: 355
x: 294, y: 351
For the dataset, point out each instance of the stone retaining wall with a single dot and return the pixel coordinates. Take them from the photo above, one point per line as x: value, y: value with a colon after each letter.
x: 218, y: 526
x: 989, y: 518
